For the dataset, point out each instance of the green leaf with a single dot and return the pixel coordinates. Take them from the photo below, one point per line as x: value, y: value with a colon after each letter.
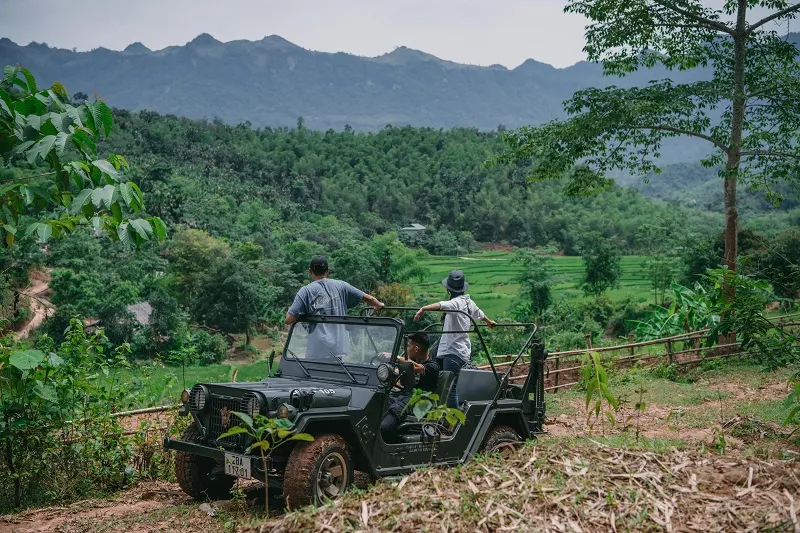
x: 44, y: 231
x: 283, y: 433
x: 244, y: 418
x: 80, y: 200
x: 106, y: 118
x: 142, y: 228
x: 116, y: 211
x: 61, y: 142
x: 127, y: 194
x: 238, y: 430
x: 302, y: 436
x: 421, y: 408
x: 29, y: 79
x: 54, y: 360
x: 106, y: 168
x: 159, y: 228
x: 45, y: 392
x: 26, y: 359
x: 41, y: 149
x: 264, y: 445
x: 459, y: 415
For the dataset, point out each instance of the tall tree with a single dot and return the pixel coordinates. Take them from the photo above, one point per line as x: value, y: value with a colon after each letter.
x: 748, y: 111
x: 601, y: 259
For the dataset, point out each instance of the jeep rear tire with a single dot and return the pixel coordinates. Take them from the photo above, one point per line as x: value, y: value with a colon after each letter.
x: 194, y: 472
x: 317, y: 470
x: 502, y: 440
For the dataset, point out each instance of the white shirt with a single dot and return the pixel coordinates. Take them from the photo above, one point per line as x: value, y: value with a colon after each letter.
x: 458, y: 343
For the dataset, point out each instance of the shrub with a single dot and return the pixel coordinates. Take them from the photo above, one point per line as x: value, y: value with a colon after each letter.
x: 58, y: 439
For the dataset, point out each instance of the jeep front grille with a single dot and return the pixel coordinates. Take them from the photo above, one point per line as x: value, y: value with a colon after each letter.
x: 222, y: 419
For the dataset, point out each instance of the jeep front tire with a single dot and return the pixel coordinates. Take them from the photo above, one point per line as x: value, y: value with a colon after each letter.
x: 317, y: 470
x: 195, y: 473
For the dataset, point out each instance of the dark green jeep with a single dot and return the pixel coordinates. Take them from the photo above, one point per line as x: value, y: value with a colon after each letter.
x: 340, y: 400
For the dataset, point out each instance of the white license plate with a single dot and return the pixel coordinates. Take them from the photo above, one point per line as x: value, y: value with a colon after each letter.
x: 237, y: 465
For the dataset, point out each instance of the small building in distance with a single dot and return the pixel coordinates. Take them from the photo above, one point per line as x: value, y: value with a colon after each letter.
x: 413, y: 229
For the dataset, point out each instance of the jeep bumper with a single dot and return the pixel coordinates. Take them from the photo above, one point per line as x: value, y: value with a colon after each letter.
x: 194, y: 449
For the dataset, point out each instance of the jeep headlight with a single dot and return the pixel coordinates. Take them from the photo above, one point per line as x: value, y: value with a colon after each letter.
x: 197, y: 398
x: 251, y: 404
x: 384, y: 372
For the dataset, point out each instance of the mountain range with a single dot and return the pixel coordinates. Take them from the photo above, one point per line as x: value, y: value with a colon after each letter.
x: 272, y: 82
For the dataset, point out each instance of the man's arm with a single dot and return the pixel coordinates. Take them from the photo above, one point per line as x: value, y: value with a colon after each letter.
x: 372, y: 302
x: 290, y: 319
x: 429, y: 307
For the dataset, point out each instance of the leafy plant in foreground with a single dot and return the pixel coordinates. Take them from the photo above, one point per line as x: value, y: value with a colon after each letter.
x: 268, y: 434
x: 426, y: 406
x: 595, y: 379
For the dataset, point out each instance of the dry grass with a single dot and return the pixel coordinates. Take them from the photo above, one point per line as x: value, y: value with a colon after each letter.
x: 584, y: 486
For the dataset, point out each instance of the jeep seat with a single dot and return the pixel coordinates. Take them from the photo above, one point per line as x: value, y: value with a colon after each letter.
x: 476, y: 385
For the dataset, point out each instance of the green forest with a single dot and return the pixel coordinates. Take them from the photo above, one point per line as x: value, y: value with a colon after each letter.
x: 246, y: 208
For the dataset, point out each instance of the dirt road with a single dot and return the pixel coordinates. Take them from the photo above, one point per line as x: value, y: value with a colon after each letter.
x: 39, y: 305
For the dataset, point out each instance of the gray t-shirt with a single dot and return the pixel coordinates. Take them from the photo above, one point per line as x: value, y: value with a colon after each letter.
x: 327, y: 297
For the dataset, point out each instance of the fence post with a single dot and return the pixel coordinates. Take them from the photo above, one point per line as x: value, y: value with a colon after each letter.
x: 588, y: 340
x: 630, y: 341
x: 558, y: 364
x: 669, y: 353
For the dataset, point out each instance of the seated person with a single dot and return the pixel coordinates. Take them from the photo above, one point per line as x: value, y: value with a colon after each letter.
x: 426, y: 372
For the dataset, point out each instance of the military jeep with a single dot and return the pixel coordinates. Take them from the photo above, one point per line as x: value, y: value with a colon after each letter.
x: 340, y: 398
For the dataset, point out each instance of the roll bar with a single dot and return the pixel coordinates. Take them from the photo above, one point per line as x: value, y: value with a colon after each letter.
x: 475, y: 328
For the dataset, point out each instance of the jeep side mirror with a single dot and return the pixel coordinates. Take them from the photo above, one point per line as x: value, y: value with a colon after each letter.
x: 269, y: 364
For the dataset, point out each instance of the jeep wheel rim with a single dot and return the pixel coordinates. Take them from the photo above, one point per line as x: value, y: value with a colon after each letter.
x: 332, y: 476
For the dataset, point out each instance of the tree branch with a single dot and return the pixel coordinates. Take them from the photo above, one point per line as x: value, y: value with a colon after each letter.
x: 776, y: 15
x: 690, y: 133
x: 693, y: 16
x: 770, y: 153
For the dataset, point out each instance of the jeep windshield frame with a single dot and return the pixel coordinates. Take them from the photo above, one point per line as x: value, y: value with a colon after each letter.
x: 333, y: 367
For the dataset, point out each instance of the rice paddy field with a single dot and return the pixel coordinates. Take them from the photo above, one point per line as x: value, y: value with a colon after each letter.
x: 493, y: 279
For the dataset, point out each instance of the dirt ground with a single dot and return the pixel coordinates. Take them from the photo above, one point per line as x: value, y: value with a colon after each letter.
x: 721, y: 407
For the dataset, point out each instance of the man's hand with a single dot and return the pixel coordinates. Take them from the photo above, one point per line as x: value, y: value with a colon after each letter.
x: 419, y: 314
x: 377, y: 305
x: 491, y: 323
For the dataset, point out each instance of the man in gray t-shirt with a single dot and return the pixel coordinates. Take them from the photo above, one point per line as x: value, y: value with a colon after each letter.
x: 328, y: 297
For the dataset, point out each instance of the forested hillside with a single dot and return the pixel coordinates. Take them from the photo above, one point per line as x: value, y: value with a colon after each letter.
x: 247, y: 207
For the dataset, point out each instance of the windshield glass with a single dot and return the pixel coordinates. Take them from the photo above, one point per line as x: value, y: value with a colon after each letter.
x: 367, y: 344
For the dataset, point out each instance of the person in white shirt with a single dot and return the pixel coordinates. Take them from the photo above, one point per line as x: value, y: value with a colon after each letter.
x: 455, y: 349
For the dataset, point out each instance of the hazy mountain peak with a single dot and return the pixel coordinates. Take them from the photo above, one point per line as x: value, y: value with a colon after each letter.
x: 204, y: 39
x: 136, y: 48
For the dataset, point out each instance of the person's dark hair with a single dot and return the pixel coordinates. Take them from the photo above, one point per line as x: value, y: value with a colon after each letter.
x: 452, y: 294
x: 422, y: 339
x: 319, y: 265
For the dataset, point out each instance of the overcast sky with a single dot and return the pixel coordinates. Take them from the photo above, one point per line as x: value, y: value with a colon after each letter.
x: 480, y: 32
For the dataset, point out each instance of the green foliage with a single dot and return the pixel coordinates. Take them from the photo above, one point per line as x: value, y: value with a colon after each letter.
x: 783, y: 264
x: 595, y: 378
x: 740, y: 301
x: 267, y: 435
x: 46, y: 455
x: 43, y: 128
x: 601, y: 258
x: 690, y: 310
x: 536, y: 280
x: 426, y: 406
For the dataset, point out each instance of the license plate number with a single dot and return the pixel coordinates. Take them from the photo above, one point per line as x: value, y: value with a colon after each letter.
x: 237, y: 465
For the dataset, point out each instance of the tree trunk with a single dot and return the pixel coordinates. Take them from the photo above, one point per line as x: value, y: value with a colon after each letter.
x: 247, y: 335
x: 735, y: 152
x: 735, y: 146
